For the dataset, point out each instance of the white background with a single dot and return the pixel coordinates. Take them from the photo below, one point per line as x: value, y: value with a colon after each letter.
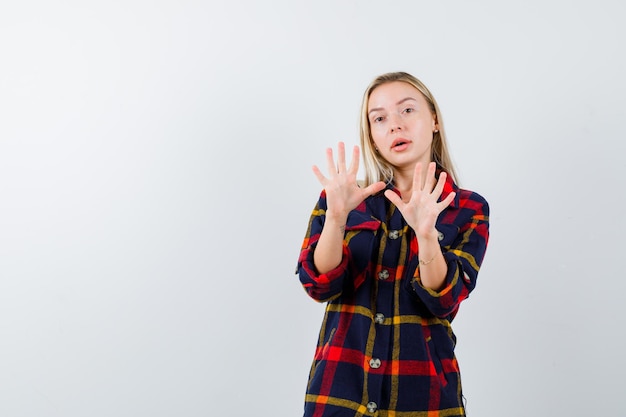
x: 155, y: 187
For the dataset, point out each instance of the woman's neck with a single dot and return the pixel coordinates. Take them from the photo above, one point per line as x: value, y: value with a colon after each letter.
x: 403, y: 180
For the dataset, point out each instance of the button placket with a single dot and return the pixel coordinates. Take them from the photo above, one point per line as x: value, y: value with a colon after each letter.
x: 387, y: 273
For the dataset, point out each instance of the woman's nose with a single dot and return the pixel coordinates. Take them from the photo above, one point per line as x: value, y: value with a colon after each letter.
x: 395, y: 124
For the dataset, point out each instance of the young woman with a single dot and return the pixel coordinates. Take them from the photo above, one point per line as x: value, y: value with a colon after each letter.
x: 393, y: 258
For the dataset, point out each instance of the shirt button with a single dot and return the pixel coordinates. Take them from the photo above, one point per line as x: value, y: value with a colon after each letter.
x: 379, y: 318
x: 372, y: 406
x: 440, y: 236
x: 383, y: 275
x: 394, y: 234
x: 375, y: 363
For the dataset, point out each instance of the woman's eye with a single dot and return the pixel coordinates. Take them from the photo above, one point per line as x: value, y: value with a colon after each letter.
x: 408, y: 110
x: 378, y: 119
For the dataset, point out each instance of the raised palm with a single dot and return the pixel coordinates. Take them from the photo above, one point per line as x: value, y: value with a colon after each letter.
x: 343, y: 193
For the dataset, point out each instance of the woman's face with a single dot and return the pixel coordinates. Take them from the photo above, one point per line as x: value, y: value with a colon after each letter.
x: 401, y: 124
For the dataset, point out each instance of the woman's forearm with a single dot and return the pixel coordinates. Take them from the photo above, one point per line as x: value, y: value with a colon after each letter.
x: 432, y: 264
x: 329, y: 250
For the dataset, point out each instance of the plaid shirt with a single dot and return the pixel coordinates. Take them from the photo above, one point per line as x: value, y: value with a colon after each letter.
x: 386, y: 347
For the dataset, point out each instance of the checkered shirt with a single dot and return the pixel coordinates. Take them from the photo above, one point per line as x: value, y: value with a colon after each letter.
x: 386, y: 347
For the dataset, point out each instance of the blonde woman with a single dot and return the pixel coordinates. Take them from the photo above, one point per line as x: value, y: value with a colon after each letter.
x: 392, y: 258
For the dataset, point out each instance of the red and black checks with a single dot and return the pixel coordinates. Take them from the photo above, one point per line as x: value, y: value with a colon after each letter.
x: 386, y: 347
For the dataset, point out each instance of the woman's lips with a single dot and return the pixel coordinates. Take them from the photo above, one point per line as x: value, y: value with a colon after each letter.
x: 400, y: 144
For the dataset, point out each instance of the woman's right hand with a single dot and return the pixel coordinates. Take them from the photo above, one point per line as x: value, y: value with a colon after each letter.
x: 343, y: 194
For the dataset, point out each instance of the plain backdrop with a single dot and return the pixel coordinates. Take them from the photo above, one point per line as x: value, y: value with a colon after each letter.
x: 155, y: 186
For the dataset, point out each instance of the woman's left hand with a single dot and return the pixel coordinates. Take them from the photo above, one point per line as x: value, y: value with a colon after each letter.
x: 423, y: 208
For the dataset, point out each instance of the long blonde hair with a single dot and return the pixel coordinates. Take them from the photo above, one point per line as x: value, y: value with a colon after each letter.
x: 376, y: 168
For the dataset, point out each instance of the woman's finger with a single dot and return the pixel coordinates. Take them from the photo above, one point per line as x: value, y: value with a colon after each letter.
x: 395, y: 199
x: 330, y: 162
x: 374, y: 188
x: 341, y: 157
x: 446, y: 201
x: 439, y: 186
x: 320, y: 177
x: 429, y: 183
x: 417, y: 178
x: 354, y: 164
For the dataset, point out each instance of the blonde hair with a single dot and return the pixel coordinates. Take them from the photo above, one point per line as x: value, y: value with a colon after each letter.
x: 376, y: 168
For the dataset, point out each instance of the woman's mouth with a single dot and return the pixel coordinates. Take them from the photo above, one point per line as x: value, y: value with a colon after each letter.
x: 400, y: 144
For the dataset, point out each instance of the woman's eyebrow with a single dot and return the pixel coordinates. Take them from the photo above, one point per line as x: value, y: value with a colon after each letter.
x: 405, y: 99
x: 397, y: 104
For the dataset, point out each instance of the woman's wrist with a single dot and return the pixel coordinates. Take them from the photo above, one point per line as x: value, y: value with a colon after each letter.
x: 428, y: 236
x: 339, y: 219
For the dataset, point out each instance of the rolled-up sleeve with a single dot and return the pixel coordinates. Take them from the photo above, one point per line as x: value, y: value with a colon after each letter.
x: 322, y: 287
x: 463, y: 254
x: 350, y: 273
